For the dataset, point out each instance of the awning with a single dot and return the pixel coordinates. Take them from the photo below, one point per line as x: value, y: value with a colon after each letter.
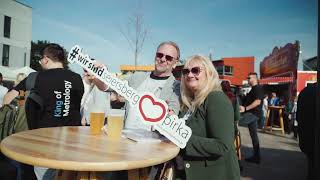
x: 10, y: 74
x: 276, y: 80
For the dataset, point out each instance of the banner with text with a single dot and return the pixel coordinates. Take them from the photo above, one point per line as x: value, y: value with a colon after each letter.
x: 152, y: 110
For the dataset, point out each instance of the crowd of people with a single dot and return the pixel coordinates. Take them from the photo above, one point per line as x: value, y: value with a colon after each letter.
x: 207, y: 105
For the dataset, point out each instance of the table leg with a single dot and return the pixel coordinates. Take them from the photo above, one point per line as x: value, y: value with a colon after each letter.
x: 85, y: 175
x: 267, y: 119
x: 135, y: 174
x: 281, y: 122
x: 66, y: 175
x: 138, y: 174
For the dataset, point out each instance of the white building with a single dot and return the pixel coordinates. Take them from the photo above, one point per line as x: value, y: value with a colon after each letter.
x: 15, y: 33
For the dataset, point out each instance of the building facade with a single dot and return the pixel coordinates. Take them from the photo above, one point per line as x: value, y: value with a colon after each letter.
x: 278, y: 71
x: 232, y: 69
x: 235, y: 69
x: 15, y: 33
x: 310, y: 64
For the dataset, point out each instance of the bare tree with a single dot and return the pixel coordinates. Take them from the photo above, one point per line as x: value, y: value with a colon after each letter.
x: 135, y: 33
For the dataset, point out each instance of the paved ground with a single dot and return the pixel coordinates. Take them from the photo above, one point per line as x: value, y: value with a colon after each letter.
x: 281, y: 158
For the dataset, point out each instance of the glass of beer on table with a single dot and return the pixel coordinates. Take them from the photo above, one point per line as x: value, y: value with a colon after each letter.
x: 96, y: 122
x: 115, y: 124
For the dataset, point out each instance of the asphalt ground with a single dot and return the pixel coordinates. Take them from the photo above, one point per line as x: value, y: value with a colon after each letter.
x: 281, y: 158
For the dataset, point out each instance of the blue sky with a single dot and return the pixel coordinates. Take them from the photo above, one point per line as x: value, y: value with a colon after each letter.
x: 226, y: 28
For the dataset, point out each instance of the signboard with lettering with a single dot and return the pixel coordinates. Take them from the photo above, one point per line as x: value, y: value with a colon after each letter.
x: 281, y: 62
x: 152, y: 110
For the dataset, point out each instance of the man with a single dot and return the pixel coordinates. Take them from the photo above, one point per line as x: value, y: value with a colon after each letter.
x: 3, y: 90
x: 251, y: 113
x: 61, y: 91
x: 306, y: 117
x: 160, y: 82
x: 274, y: 101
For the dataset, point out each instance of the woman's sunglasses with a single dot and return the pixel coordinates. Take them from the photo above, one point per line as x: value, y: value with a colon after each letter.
x: 167, y: 57
x: 195, y: 71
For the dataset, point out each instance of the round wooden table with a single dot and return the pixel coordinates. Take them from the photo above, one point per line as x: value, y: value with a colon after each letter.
x: 75, y: 149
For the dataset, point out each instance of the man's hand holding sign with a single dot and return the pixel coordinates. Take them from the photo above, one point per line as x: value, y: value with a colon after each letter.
x: 151, y: 110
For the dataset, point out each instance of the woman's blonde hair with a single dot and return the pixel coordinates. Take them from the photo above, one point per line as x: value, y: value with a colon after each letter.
x: 191, y: 100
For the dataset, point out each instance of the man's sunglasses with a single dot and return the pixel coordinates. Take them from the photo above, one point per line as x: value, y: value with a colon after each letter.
x: 167, y: 57
x: 195, y: 71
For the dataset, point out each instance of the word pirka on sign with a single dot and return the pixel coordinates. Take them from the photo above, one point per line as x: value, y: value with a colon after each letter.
x: 152, y: 110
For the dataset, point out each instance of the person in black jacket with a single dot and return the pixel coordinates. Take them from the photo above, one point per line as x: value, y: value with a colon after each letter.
x: 251, y: 113
x: 306, y: 117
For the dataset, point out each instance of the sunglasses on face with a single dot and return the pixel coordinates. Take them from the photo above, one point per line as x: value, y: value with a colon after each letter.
x: 195, y: 71
x: 167, y: 57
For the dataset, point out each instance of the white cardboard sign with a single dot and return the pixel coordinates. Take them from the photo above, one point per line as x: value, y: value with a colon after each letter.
x: 152, y: 110
x: 175, y: 130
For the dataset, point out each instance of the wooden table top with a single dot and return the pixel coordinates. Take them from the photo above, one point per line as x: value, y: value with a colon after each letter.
x: 73, y: 148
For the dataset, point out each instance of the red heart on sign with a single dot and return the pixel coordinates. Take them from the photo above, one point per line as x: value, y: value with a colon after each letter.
x: 155, y: 103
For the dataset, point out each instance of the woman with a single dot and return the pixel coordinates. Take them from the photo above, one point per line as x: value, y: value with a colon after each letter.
x: 210, y: 152
x: 226, y: 88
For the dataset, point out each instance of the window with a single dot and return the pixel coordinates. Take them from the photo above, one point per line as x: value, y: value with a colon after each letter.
x: 5, y: 55
x: 25, y: 59
x: 7, y: 26
x: 219, y: 70
x: 228, y: 70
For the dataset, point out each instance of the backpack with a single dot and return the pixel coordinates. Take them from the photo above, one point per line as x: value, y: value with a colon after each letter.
x: 13, y: 118
x: 32, y: 93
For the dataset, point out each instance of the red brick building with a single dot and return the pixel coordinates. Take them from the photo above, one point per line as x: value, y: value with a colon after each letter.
x: 235, y: 69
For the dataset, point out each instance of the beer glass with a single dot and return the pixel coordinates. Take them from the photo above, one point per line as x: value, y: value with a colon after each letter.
x: 115, y: 124
x: 96, y: 122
